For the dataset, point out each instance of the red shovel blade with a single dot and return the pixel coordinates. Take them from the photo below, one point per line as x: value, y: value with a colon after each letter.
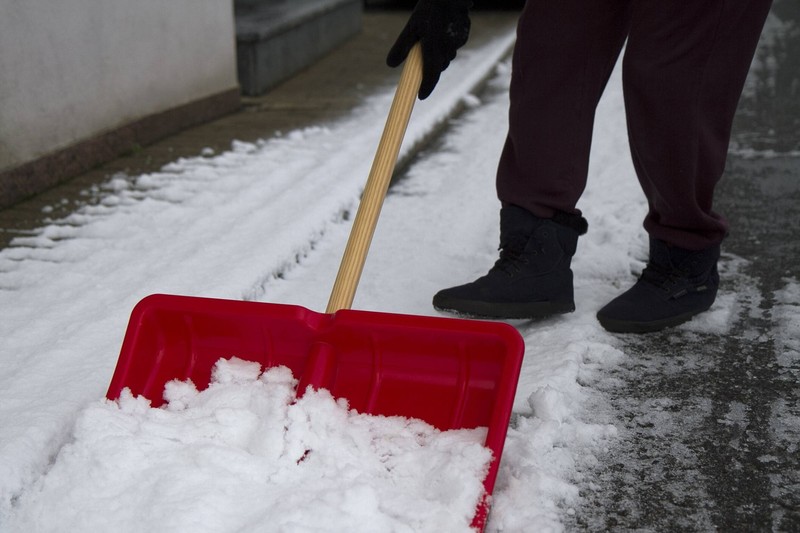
x: 450, y: 373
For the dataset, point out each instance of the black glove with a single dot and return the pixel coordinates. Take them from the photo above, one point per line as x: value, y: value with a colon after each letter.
x: 442, y: 27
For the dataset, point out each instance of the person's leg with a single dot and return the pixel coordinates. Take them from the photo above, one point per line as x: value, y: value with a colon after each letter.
x: 684, y: 68
x: 683, y: 73
x: 564, y: 55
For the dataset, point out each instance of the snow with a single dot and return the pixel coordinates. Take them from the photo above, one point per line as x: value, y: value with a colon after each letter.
x: 244, y: 455
x: 268, y: 221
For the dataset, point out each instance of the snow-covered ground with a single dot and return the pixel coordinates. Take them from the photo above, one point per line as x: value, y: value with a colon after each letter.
x: 268, y: 222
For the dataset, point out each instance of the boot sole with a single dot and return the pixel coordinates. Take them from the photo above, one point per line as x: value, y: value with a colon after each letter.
x: 508, y: 310
x: 629, y: 326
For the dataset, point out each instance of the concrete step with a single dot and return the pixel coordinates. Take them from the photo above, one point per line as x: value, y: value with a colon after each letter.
x: 277, y: 38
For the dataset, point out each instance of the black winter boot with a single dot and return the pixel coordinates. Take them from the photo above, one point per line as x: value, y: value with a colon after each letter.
x: 676, y: 285
x: 532, y: 278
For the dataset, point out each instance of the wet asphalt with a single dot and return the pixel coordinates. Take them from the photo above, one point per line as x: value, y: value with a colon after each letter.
x: 710, y: 422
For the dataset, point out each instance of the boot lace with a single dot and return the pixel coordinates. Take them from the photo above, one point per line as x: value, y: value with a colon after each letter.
x: 670, y: 279
x: 512, y: 259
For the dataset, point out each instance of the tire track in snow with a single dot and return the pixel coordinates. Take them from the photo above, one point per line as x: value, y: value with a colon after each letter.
x: 202, y: 226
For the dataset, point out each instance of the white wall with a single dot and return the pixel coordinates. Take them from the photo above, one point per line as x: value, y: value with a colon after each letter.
x: 71, y: 69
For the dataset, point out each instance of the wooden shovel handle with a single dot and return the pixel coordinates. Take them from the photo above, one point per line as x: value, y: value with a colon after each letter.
x: 355, y: 254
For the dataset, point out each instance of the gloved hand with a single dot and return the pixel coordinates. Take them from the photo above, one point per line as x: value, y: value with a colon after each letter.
x: 442, y: 27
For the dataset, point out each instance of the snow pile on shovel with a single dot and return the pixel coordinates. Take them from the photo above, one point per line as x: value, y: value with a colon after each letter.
x: 244, y: 455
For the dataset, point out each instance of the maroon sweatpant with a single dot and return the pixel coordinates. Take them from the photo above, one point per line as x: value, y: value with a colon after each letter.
x: 684, y: 68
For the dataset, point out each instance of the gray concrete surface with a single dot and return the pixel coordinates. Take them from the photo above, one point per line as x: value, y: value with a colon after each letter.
x: 277, y: 39
x: 710, y: 422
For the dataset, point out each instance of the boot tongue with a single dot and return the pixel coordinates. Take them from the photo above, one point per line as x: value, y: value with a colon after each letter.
x: 663, y: 255
x: 516, y: 226
x: 664, y: 267
x: 678, y: 259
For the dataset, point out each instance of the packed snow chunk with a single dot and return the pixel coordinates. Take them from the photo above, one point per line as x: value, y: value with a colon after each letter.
x: 246, y: 455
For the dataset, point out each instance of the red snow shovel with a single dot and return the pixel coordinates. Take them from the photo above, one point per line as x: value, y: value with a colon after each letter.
x: 451, y: 373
